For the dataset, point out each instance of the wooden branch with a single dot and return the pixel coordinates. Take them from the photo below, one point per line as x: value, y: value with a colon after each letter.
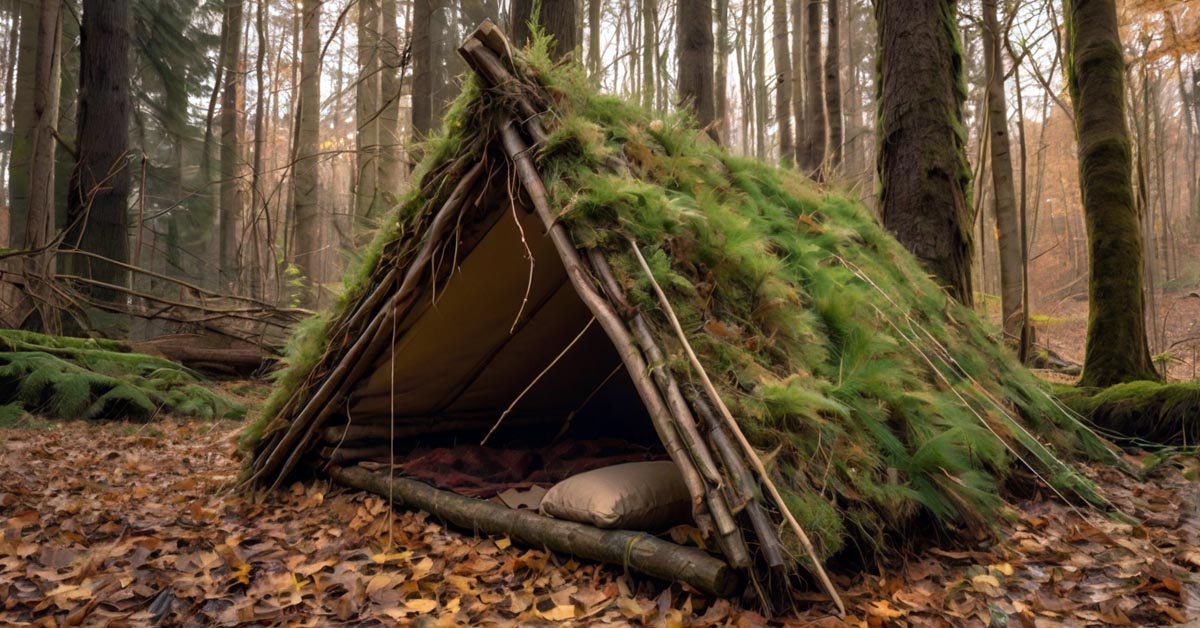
x: 626, y: 348
x: 643, y: 552
x: 485, y: 50
x: 356, y: 361
x: 736, y: 429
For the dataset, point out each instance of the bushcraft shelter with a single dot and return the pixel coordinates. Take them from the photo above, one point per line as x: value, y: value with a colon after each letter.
x: 570, y: 266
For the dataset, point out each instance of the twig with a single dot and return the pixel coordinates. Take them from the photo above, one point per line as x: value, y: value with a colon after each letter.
x: 711, y: 390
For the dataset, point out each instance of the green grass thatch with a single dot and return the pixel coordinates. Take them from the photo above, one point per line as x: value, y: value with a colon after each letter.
x: 875, y: 397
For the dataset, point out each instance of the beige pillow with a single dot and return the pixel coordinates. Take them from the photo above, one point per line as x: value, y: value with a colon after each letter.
x: 632, y: 496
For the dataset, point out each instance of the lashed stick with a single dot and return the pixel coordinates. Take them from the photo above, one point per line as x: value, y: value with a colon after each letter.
x: 736, y: 429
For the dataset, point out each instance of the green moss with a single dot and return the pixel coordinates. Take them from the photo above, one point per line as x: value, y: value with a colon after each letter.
x: 1166, y: 414
x: 881, y: 398
x: 69, y: 378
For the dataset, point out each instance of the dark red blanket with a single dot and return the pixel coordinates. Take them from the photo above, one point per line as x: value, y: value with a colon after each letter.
x: 480, y: 471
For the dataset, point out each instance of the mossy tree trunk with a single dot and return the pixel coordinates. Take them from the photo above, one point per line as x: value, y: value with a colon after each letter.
x: 1116, y: 349
x: 695, y: 40
x: 721, y: 79
x: 923, y: 173
x: 1003, y: 194
x: 783, y: 80
x: 649, y: 47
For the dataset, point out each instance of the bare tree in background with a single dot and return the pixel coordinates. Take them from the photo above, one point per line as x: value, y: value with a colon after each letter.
x: 695, y: 53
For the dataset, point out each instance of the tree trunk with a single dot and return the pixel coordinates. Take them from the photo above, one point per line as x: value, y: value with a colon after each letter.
x: 923, y: 171
x: 1003, y: 193
x: 35, y: 115
x: 814, y: 97
x: 260, y: 268
x: 556, y: 18
x: 232, y: 102
x: 833, y: 88
x: 649, y: 45
x: 721, y: 79
x: 391, y: 58
x: 1116, y: 349
x: 99, y: 188
x: 306, y: 181
x: 693, y: 22
x: 760, y: 80
x: 783, y: 81
x: 595, y: 66
x: 798, y: 77
x: 366, y: 114
x: 422, y: 56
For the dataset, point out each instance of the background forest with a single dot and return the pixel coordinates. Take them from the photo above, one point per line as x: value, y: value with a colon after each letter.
x: 219, y: 164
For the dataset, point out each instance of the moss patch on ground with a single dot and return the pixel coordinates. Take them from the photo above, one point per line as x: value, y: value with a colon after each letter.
x: 83, y: 378
x: 1166, y: 414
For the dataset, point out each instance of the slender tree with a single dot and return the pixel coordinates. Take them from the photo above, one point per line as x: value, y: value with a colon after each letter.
x: 1116, y: 350
x: 306, y: 182
x: 595, y: 8
x: 814, y: 98
x: 649, y: 47
x: 783, y: 80
x: 694, y: 38
x: 422, y: 57
x: 99, y: 188
x: 798, y: 81
x: 923, y: 172
x: 232, y: 104
x: 721, y: 79
x: 1004, y: 198
x: 368, y: 88
x: 391, y: 59
x: 833, y: 87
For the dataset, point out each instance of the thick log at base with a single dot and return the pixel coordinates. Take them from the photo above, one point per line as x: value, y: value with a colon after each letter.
x: 643, y: 552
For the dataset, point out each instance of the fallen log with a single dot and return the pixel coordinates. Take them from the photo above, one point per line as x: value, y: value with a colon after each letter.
x: 207, y: 353
x: 641, y: 551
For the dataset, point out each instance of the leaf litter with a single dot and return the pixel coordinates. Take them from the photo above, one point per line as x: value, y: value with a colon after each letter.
x: 117, y: 524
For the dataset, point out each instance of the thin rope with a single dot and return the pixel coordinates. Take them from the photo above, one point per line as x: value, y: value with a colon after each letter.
x: 536, y: 380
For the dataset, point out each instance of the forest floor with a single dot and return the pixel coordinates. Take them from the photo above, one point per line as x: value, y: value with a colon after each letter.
x: 1062, y: 325
x: 131, y: 524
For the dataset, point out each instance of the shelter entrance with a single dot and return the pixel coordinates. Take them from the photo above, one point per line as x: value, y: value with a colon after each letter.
x: 505, y: 336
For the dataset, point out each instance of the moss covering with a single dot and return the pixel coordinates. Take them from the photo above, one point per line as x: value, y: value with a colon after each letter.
x: 1167, y: 414
x: 68, y: 378
x: 879, y: 398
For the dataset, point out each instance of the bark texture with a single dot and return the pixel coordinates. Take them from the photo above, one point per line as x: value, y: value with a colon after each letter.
x: 783, y: 80
x: 1116, y: 349
x: 391, y: 58
x: 367, y: 112
x: 833, y: 87
x: 695, y: 76
x: 99, y: 188
x: 232, y: 104
x: 35, y: 114
x: 924, y: 177
x: 1004, y: 195
x: 306, y: 182
x: 556, y: 18
x: 814, y: 99
x: 422, y: 57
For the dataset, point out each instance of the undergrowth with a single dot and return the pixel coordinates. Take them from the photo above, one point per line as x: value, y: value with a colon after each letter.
x: 69, y: 378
